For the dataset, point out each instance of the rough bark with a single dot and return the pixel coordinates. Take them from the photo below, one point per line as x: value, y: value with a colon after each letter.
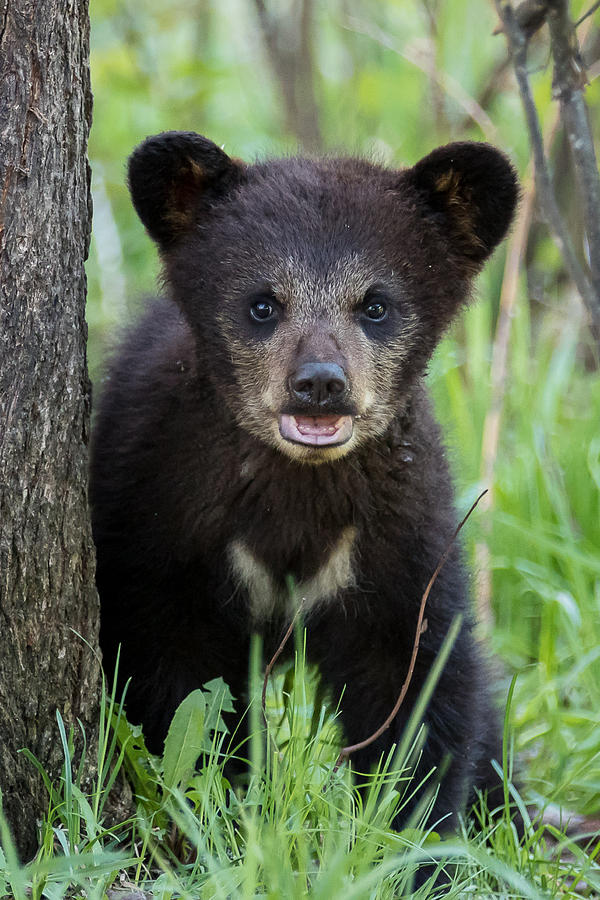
x: 46, y: 554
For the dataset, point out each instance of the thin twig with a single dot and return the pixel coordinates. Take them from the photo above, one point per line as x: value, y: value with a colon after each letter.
x: 352, y: 748
x: 517, y: 43
x: 447, y: 83
x: 591, y: 10
x: 274, y: 659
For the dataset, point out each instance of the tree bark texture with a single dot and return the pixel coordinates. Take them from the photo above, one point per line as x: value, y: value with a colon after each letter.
x: 46, y: 553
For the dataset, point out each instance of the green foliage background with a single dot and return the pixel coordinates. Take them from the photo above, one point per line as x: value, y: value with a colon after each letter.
x: 202, y: 66
x: 193, y: 65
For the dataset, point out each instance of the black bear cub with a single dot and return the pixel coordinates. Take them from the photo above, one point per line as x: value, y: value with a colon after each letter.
x: 268, y: 420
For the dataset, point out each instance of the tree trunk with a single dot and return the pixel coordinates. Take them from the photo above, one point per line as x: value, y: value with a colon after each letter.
x: 289, y: 42
x: 47, y: 588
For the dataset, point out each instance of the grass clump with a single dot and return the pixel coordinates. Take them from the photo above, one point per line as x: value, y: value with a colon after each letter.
x: 296, y: 828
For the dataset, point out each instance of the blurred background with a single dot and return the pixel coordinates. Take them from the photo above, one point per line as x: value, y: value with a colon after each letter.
x: 515, y: 382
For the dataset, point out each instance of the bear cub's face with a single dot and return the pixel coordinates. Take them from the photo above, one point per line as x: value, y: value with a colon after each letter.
x: 317, y: 290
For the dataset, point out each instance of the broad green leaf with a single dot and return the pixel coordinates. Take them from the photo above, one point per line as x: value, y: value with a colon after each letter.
x: 219, y: 700
x: 185, y: 740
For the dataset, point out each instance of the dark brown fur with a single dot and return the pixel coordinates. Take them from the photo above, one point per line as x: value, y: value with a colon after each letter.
x: 202, y: 509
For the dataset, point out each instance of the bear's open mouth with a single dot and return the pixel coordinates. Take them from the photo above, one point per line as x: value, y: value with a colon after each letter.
x: 316, y: 431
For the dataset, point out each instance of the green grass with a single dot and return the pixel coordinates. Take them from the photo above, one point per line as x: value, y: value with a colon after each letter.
x: 298, y: 828
x: 544, y: 541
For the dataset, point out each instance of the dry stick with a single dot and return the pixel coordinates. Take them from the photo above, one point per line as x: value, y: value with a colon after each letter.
x: 274, y: 659
x: 352, y: 748
x: 498, y: 371
x: 517, y: 43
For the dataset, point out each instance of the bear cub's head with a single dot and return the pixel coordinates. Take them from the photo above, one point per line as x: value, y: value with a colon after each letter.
x: 316, y: 290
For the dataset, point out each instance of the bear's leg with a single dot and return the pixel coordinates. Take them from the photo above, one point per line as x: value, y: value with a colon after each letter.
x: 367, y: 669
x: 459, y: 728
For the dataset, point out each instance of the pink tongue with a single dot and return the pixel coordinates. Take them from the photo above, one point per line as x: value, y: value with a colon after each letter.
x: 316, y: 431
x: 317, y: 424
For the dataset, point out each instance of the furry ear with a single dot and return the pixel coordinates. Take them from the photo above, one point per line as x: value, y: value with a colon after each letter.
x: 168, y: 173
x: 471, y: 189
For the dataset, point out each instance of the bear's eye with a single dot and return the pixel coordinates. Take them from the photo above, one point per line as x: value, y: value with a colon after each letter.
x: 262, y: 310
x: 375, y: 309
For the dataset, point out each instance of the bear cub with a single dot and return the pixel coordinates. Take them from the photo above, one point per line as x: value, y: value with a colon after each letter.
x: 267, y: 420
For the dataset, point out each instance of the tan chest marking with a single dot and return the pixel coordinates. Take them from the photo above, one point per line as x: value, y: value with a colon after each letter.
x: 267, y: 596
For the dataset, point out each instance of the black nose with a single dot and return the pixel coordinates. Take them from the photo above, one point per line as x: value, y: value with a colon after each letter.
x: 318, y: 382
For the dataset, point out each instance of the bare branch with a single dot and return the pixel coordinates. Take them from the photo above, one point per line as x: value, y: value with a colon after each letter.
x: 517, y: 42
x: 517, y: 245
x: 568, y: 84
x: 345, y: 752
x: 530, y: 16
x: 591, y: 10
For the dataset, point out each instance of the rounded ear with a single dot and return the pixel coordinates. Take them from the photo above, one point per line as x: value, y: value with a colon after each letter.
x: 472, y: 190
x: 169, y: 173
